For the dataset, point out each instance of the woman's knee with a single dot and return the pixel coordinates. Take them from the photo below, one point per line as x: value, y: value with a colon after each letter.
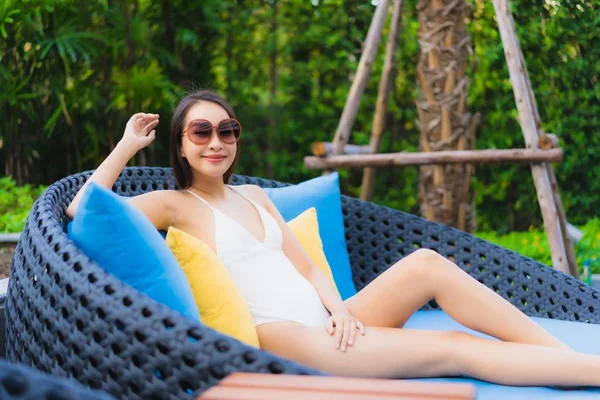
x: 457, y: 344
x: 423, y: 263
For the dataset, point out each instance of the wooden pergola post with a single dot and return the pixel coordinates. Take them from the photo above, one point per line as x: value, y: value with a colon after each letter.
x: 385, y: 84
x: 342, y: 134
x: 543, y: 140
x: 530, y: 125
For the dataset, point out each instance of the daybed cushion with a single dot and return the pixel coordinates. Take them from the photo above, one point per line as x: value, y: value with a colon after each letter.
x: 124, y: 242
x: 579, y: 336
x: 323, y: 193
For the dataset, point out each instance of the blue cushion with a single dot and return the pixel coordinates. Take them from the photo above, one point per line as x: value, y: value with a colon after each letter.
x: 323, y: 193
x: 579, y: 336
x: 124, y: 242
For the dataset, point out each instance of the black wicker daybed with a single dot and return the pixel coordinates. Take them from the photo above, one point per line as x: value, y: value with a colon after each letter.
x: 67, y: 317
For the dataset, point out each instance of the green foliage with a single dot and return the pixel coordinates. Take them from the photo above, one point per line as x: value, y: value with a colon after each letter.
x: 534, y: 243
x: 15, y: 203
x: 7, y: 12
x: 73, y: 72
x: 588, y: 249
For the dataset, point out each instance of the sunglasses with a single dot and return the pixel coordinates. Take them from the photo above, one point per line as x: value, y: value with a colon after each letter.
x: 199, y: 131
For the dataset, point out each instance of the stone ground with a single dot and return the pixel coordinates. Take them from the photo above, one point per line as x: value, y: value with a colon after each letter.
x: 6, y: 252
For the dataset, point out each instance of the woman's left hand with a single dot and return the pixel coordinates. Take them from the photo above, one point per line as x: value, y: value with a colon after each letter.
x: 345, y: 326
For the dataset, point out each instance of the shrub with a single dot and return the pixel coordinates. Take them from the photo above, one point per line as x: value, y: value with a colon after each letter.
x: 15, y: 203
x: 534, y: 244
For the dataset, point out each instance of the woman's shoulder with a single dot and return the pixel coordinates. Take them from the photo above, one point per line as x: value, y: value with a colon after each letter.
x: 254, y: 192
x: 250, y: 189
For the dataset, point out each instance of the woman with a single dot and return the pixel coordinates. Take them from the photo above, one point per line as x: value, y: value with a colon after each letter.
x: 297, y: 312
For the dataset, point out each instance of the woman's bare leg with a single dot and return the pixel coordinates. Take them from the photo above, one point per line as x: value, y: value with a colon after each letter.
x: 397, y: 293
x: 408, y: 353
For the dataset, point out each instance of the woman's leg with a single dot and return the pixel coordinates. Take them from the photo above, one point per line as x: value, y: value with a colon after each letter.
x: 390, y: 300
x: 408, y: 353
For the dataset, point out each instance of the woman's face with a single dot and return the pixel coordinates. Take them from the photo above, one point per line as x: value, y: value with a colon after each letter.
x: 215, y: 157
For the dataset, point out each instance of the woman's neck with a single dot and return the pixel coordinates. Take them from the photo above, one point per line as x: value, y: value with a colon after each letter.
x: 213, y: 187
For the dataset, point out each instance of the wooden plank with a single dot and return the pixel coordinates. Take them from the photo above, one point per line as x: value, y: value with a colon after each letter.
x: 385, y: 84
x: 526, y: 110
x: 365, y: 65
x: 435, y: 158
x: 238, y: 393
x: 249, y: 386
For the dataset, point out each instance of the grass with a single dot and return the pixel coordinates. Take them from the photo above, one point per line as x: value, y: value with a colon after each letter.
x: 534, y: 244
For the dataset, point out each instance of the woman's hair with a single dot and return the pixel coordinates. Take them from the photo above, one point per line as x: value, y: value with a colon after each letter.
x: 180, y: 165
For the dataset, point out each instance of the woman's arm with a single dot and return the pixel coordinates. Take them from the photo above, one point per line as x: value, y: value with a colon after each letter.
x: 138, y: 134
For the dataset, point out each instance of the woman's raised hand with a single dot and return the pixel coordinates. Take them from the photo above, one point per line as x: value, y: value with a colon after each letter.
x: 139, y: 131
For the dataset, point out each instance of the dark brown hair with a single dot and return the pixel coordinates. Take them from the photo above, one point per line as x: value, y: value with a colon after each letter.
x: 181, y: 167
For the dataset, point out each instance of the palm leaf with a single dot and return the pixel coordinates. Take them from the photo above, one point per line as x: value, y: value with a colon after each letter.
x: 71, y: 44
x: 51, y: 123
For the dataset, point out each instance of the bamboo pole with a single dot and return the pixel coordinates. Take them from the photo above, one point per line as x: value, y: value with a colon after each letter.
x: 322, y: 149
x: 526, y: 110
x: 365, y: 64
x: 435, y: 158
x: 385, y: 85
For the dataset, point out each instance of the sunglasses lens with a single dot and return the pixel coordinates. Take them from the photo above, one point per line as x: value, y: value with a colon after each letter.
x: 200, y: 131
x: 230, y: 130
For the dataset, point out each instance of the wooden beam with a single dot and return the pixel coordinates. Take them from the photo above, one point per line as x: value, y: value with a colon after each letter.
x: 385, y: 84
x: 526, y: 109
x: 365, y: 64
x: 435, y: 158
x: 322, y: 149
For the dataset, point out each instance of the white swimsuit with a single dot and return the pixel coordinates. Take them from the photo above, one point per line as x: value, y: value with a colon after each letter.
x: 266, y: 277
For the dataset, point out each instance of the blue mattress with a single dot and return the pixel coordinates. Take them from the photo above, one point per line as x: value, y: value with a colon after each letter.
x: 579, y: 336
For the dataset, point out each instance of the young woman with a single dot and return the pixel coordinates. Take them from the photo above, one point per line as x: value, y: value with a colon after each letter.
x: 297, y: 312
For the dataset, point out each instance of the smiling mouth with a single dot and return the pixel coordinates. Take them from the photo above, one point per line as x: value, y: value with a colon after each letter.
x: 214, y: 159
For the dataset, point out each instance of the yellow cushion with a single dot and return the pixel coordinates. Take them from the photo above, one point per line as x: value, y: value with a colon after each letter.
x: 217, y: 297
x: 306, y: 229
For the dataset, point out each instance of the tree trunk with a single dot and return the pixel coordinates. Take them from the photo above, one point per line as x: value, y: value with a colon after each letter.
x: 444, y: 192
